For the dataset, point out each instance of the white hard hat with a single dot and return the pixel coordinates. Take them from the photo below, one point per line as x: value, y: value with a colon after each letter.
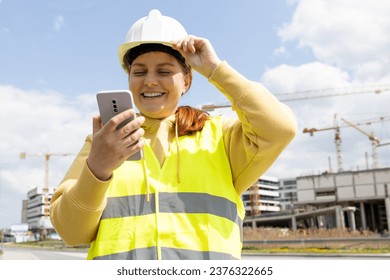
x: 153, y: 29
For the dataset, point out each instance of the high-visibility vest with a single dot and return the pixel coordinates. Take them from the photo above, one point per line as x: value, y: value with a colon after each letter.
x: 199, y: 217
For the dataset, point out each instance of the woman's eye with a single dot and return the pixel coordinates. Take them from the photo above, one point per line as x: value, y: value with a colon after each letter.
x: 138, y: 73
x: 164, y: 72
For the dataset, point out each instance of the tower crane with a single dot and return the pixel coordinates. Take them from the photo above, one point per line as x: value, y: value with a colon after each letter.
x: 374, y: 142
x: 313, y: 94
x: 337, y: 140
x: 336, y: 127
x: 316, y: 94
x: 46, y: 156
x: 254, y: 200
x: 384, y: 144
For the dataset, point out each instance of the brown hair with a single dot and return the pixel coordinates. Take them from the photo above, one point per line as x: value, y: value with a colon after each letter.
x: 190, y: 120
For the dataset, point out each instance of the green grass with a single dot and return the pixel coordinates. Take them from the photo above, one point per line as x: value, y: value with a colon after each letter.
x: 316, y: 250
x: 54, y: 244
x: 59, y: 244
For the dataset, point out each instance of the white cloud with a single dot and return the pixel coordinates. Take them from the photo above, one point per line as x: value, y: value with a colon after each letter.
x: 349, y: 40
x: 350, y: 34
x: 37, y: 117
x: 37, y: 122
x: 315, y: 75
x: 308, y: 154
x: 59, y: 23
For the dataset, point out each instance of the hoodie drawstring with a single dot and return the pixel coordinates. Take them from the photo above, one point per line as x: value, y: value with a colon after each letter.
x: 146, y: 176
x: 177, y: 149
x: 144, y: 167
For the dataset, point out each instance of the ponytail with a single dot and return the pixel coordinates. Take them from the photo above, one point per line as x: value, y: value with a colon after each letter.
x: 190, y: 120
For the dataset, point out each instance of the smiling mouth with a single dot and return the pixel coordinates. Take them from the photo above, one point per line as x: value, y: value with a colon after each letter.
x: 152, y: 94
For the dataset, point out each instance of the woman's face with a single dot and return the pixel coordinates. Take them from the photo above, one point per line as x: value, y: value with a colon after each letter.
x: 157, y: 82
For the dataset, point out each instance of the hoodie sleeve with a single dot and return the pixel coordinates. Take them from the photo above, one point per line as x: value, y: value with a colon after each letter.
x: 264, y: 127
x: 78, y: 202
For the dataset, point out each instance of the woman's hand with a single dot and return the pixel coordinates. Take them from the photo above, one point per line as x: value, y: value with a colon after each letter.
x: 199, y: 53
x: 111, y: 147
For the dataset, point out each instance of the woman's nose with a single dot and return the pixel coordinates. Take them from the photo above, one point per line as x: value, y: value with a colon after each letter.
x: 150, y: 80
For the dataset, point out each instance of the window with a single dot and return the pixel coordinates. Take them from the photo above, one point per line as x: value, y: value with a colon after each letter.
x: 328, y: 192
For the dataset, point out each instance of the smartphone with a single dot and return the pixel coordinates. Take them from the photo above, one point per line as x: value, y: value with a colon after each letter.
x: 114, y: 102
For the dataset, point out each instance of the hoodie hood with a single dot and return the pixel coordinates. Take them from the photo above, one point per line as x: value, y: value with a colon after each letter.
x: 160, y: 134
x: 152, y: 126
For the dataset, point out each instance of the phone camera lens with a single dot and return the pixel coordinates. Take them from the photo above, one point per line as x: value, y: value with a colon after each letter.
x: 113, y: 101
x: 116, y: 110
x: 115, y: 106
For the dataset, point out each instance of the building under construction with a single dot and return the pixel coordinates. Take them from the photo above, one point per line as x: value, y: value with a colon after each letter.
x: 362, y: 197
x: 357, y: 200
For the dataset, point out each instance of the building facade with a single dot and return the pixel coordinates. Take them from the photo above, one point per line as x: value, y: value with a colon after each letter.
x: 288, y: 193
x: 262, y: 197
x: 35, y: 211
x: 362, y: 195
x: 355, y: 200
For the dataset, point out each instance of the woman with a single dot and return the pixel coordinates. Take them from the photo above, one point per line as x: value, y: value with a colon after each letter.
x: 182, y: 200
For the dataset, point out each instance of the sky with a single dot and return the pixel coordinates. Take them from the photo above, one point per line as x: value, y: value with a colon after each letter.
x: 56, y: 55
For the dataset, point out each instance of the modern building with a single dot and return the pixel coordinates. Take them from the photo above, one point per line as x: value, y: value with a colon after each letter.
x: 288, y: 193
x: 35, y: 211
x: 262, y: 197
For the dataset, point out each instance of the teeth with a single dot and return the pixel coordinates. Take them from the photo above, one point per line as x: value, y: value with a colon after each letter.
x: 152, y: 94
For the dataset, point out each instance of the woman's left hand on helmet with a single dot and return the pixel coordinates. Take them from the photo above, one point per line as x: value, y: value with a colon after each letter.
x: 199, y: 53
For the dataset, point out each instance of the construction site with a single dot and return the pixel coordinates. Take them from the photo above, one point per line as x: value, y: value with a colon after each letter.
x: 352, y: 200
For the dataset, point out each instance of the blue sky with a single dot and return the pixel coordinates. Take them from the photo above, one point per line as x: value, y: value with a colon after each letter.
x: 55, y: 56
x: 71, y: 46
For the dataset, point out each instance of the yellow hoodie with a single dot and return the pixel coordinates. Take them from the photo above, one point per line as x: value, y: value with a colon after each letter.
x: 253, y: 142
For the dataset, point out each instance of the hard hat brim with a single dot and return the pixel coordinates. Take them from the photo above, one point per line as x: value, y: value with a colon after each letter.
x: 124, y: 48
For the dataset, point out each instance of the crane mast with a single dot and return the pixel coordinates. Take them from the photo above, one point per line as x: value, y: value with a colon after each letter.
x: 374, y: 142
x: 337, y: 141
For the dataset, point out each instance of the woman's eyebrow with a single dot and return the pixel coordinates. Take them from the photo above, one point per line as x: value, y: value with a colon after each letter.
x: 160, y: 64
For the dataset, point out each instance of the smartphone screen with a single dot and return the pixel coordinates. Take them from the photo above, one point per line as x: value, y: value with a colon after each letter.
x: 112, y: 103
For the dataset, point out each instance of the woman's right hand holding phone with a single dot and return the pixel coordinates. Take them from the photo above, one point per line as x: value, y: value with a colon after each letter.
x: 111, y: 147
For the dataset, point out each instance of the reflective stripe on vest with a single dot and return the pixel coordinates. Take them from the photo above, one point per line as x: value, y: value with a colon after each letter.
x: 137, y: 205
x: 167, y: 254
x: 198, y: 218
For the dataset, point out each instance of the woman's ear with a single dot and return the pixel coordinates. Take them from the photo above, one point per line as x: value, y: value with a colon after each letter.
x: 187, y: 82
